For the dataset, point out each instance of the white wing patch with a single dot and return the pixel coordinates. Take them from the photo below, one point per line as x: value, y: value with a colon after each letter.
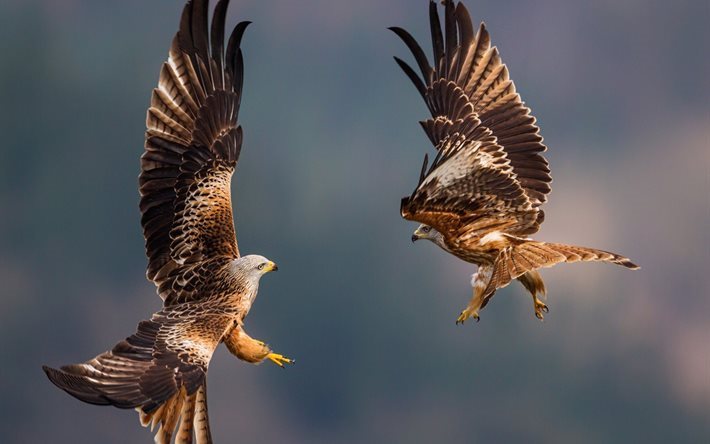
x: 458, y: 166
x: 493, y: 236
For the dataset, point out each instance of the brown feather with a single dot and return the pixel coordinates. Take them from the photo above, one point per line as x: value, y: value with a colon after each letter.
x: 192, y: 146
x: 470, y: 90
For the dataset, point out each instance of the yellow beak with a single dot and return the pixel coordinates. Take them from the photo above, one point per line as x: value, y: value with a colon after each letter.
x: 271, y: 266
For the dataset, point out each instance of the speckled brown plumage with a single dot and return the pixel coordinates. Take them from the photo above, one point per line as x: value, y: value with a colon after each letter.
x: 193, y: 141
x: 480, y: 198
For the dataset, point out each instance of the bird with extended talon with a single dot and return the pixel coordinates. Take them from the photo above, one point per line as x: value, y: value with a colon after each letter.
x: 480, y: 198
x: 192, y: 146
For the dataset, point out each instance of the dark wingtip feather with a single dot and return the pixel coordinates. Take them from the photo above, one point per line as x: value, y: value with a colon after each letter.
x: 217, y: 37
x: 451, y: 33
x: 416, y: 51
x: 630, y: 265
x: 422, y: 174
x: 437, y: 39
x: 234, y: 56
x: 235, y: 39
x: 184, y: 35
x: 412, y: 76
x: 48, y: 371
x: 199, y: 31
x: 74, y: 385
x: 403, y: 205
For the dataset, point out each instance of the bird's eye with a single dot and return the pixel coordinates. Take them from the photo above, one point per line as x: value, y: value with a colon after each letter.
x: 426, y: 229
x: 261, y: 266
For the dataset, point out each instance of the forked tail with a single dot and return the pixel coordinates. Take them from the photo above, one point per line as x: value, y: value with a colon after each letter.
x: 531, y: 255
x: 526, y: 256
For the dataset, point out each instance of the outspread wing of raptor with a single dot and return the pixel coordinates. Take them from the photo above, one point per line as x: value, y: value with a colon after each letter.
x: 481, y: 196
x: 161, y: 370
x: 193, y: 142
x: 192, y: 146
x: 488, y: 171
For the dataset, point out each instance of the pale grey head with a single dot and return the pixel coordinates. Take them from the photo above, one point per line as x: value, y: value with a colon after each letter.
x: 424, y: 231
x: 252, y: 267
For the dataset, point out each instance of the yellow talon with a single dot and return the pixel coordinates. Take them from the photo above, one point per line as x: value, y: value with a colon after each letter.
x: 540, y: 308
x: 280, y: 360
x: 467, y: 313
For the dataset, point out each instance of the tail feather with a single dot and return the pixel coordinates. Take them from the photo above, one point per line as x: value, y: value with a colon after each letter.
x: 202, y: 425
x: 552, y: 253
x: 526, y: 256
x: 187, y: 417
x: 168, y: 421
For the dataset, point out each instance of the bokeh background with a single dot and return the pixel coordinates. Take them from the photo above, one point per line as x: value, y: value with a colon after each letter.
x: 621, y: 91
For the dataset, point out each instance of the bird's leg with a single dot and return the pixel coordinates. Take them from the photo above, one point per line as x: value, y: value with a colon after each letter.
x: 471, y: 311
x: 280, y: 360
x: 533, y: 283
x: 479, y: 282
x: 252, y: 350
x: 540, y: 307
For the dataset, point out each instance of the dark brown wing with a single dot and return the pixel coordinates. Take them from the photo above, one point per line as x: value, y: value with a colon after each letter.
x: 192, y: 146
x: 470, y: 186
x: 469, y: 79
x: 156, y: 370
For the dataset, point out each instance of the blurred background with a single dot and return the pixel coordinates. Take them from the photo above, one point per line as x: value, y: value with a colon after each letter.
x: 621, y: 92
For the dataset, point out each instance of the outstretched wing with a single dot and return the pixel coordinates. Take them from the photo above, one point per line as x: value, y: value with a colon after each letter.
x: 470, y: 187
x: 488, y: 144
x: 192, y: 146
x: 158, y: 370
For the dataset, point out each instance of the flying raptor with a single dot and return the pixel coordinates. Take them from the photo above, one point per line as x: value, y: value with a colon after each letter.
x: 480, y: 199
x: 192, y: 146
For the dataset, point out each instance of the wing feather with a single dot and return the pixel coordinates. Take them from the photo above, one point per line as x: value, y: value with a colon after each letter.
x: 156, y: 370
x: 167, y: 353
x: 470, y: 94
x: 193, y: 141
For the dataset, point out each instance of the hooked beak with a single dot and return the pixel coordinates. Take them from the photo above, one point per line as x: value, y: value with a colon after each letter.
x: 416, y: 236
x: 271, y: 266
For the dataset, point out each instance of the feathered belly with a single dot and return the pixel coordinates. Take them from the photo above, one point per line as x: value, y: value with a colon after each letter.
x: 478, y: 257
x: 473, y: 252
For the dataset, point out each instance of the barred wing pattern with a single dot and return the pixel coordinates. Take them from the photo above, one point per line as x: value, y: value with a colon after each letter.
x: 482, y: 131
x: 148, y: 367
x: 192, y: 146
x: 158, y: 370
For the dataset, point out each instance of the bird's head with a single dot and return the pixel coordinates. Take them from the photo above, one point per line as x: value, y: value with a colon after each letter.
x: 424, y: 231
x: 254, y: 266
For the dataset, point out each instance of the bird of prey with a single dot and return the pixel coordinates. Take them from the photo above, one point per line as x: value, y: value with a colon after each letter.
x: 480, y: 199
x: 192, y: 146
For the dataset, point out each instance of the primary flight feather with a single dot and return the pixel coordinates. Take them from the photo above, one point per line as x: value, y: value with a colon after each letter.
x: 480, y: 198
x: 192, y: 146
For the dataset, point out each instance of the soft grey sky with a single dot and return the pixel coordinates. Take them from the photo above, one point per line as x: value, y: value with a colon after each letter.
x: 621, y: 92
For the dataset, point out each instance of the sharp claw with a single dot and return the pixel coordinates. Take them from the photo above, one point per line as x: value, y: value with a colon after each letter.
x: 279, y: 360
x: 464, y: 316
x: 545, y: 309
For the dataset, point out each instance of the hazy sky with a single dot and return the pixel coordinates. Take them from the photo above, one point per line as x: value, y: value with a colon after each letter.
x: 621, y: 92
